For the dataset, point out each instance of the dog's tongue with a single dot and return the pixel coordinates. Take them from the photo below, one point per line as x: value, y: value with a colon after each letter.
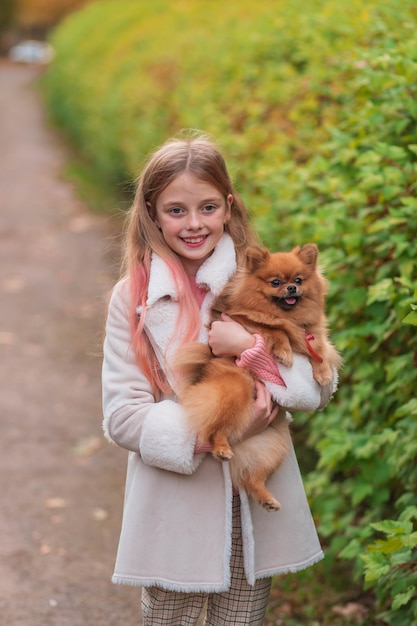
x: 290, y: 300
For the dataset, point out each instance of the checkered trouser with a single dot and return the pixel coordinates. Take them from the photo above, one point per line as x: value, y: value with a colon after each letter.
x: 242, y: 604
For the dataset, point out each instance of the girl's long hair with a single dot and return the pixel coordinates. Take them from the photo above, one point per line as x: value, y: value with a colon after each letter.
x: 199, y: 156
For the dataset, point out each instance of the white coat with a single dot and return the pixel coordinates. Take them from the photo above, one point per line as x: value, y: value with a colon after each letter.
x: 177, y: 517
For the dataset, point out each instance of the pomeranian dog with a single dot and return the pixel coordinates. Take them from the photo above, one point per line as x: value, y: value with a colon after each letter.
x: 280, y: 296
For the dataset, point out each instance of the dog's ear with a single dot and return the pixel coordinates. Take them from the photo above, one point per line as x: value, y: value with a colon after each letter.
x: 308, y: 254
x: 255, y: 257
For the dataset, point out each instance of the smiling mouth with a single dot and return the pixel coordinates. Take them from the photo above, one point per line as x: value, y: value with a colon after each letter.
x: 194, y: 240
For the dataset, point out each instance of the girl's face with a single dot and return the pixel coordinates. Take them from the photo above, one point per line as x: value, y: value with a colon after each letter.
x: 191, y: 215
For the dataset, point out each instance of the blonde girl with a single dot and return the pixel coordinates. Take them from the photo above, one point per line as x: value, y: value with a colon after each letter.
x: 189, y: 538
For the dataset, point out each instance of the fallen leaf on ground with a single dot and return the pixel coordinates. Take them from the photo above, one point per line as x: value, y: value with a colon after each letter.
x: 56, y: 503
x: 87, y: 446
x: 80, y: 223
x: 6, y: 338
x: 45, y: 549
x: 13, y: 284
x: 100, y: 514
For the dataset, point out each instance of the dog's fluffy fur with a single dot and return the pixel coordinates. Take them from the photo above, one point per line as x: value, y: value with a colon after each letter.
x: 280, y: 296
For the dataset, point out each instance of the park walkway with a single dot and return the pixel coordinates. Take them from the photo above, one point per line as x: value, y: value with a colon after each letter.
x: 61, y: 483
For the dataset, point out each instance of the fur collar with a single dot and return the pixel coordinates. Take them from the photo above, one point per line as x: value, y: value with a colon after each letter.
x: 214, y: 272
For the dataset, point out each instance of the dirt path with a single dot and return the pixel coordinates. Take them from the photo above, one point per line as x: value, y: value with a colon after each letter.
x: 61, y: 484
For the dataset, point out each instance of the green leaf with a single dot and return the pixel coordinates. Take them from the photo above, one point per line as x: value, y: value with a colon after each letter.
x: 334, y: 448
x: 401, y: 557
x: 410, y: 318
x: 380, y: 291
x: 376, y: 566
x: 409, y: 408
x: 387, y: 222
x: 352, y: 550
x: 409, y: 201
x: 403, y: 598
x: 360, y: 492
x: 410, y: 512
x: 387, y: 546
x: 412, y: 147
x: 411, y: 540
x: 393, y: 527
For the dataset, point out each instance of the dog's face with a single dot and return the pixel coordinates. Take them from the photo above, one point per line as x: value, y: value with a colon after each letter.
x: 288, y: 280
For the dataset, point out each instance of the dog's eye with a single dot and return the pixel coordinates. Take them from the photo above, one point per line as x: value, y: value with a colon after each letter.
x: 298, y: 281
x: 276, y: 282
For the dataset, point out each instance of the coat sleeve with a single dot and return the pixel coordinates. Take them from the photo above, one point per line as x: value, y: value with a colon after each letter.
x: 132, y: 419
x: 301, y: 392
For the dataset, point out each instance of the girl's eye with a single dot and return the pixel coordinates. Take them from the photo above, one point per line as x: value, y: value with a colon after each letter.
x: 176, y: 210
x: 276, y: 282
x: 298, y: 280
x: 208, y: 208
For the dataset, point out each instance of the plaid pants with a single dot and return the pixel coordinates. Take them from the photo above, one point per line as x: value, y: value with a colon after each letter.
x: 241, y: 605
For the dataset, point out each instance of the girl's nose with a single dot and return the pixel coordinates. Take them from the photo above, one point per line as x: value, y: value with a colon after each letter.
x: 194, y: 220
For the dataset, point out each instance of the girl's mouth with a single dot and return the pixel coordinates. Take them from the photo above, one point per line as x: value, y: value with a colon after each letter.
x: 194, y: 241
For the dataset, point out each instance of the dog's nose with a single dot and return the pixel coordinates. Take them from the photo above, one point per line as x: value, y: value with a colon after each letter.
x: 291, y: 289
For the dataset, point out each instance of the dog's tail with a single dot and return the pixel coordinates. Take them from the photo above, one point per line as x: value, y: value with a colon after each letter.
x: 216, y: 394
x: 189, y: 364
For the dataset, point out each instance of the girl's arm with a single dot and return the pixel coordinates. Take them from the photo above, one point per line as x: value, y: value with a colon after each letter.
x: 293, y: 388
x: 158, y: 431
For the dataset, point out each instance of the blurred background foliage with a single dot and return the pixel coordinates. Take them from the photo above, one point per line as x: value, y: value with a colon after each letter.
x: 315, y: 107
x: 22, y: 19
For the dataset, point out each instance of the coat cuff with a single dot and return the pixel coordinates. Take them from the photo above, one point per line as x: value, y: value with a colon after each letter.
x: 166, y: 441
x: 302, y: 392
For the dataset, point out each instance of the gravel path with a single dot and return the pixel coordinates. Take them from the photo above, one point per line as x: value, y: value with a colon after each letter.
x: 61, y: 483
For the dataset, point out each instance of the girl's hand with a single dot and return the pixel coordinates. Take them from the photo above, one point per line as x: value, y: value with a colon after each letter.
x: 264, y: 411
x: 229, y: 338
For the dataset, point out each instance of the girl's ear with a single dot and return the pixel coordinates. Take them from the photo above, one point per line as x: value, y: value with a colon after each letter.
x: 229, y: 202
x: 152, y: 213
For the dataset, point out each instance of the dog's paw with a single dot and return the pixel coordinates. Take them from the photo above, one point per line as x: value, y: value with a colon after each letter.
x: 220, y: 447
x: 323, y: 375
x: 324, y: 380
x: 271, y: 505
x: 285, y: 358
x: 222, y: 454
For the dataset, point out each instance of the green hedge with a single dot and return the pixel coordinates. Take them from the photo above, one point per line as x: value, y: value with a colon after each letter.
x: 315, y: 106
x: 129, y: 74
x: 357, y: 197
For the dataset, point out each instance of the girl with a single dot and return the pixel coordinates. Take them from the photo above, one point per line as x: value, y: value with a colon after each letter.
x: 188, y: 538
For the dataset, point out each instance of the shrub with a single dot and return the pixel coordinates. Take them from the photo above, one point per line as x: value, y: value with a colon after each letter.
x: 356, y: 196
x: 127, y: 75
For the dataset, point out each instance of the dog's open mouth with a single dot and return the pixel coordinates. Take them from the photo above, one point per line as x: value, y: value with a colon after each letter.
x: 287, y: 303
